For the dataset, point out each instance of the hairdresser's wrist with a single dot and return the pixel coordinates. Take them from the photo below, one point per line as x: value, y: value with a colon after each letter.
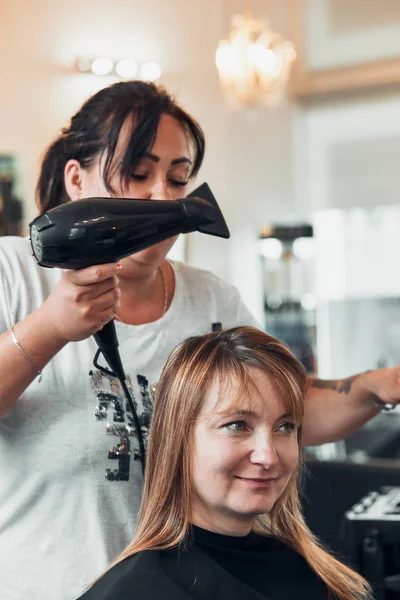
x: 55, y: 336
x: 25, y: 350
x: 381, y: 388
x: 36, y: 340
x: 51, y: 339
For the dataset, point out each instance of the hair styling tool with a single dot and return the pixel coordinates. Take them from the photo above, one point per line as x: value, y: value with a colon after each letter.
x: 96, y: 231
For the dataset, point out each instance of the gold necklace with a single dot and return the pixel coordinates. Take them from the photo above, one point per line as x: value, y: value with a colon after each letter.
x: 165, y: 290
x: 165, y: 287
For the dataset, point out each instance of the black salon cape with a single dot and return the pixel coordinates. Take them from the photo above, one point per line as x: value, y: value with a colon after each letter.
x: 153, y: 575
x: 193, y: 574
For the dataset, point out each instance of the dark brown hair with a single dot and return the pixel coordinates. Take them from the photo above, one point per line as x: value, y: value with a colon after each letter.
x: 94, y: 131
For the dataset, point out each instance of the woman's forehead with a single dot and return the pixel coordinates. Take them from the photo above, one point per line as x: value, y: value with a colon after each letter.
x: 171, y: 135
x: 255, y: 392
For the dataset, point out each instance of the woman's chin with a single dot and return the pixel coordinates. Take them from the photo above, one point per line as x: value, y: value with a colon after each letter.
x: 153, y: 255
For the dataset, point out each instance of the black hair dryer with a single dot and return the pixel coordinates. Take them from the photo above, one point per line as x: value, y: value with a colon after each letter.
x: 103, y: 230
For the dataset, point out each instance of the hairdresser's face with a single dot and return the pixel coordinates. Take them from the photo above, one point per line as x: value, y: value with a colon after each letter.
x: 162, y: 175
x: 242, y: 461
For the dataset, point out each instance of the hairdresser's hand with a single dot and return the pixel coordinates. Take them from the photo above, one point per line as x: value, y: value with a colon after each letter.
x: 83, y: 302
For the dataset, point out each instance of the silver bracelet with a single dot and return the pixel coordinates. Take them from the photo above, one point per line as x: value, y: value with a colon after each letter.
x: 24, y: 354
x: 386, y: 406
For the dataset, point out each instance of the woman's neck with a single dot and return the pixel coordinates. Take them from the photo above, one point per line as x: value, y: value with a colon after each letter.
x: 224, y: 525
x: 146, y: 294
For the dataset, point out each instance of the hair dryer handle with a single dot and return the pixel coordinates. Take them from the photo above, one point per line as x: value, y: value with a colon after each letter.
x: 107, y: 341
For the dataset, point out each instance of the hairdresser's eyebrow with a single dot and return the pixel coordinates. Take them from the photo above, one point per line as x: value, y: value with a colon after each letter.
x: 152, y: 157
x: 176, y: 161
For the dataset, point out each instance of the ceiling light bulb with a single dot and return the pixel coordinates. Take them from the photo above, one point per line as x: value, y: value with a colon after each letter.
x: 126, y: 68
x: 225, y: 58
x: 83, y: 64
x: 102, y: 66
x: 263, y: 58
x: 150, y: 71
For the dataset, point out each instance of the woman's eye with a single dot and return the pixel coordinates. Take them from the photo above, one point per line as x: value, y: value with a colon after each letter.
x: 178, y: 183
x: 288, y: 427
x: 139, y: 177
x: 236, y: 426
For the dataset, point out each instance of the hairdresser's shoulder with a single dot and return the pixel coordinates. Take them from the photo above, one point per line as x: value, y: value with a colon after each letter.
x: 19, y: 267
x: 15, y: 244
x: 196, y: 278
x: 141, y: 577
x: 15, y: 249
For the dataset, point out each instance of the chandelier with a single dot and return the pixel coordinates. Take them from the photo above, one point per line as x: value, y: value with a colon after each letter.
x: 253, y: 62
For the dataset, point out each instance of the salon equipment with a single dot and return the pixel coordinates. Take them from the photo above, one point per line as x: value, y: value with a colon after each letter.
x: 286, y: 252
x: 104, y: 230
x: 94, y: 231
x: 372, y: 535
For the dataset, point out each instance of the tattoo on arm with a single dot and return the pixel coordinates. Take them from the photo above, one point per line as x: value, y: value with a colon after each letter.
x: 342, y: 386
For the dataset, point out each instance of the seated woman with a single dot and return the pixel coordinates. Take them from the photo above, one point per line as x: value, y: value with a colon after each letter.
x: 220, y: 514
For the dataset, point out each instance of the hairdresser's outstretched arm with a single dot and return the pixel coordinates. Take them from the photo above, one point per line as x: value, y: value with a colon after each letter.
x: 337, y: 408
x: 81, y: 303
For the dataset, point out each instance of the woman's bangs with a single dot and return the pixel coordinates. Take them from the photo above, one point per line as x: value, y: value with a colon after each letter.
x: 233, y: 393
x: 291, y: 395
x: 143, y: 132
x: 237, y: 387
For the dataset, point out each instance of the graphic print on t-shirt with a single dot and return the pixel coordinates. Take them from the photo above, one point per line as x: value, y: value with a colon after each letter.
x: 115, y: 416
x: 115, y: 413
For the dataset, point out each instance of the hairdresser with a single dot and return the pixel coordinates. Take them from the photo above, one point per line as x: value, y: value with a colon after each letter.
x: 70, y: 474
x: 229, y: 410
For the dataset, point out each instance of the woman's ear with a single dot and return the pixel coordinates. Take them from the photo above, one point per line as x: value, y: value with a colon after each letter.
x: 73, y: 179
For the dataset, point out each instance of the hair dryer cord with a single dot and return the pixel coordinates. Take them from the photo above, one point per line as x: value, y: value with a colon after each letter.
x: 128, y: 397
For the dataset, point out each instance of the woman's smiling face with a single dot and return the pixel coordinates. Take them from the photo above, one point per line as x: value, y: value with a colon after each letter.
x: 242, y: 459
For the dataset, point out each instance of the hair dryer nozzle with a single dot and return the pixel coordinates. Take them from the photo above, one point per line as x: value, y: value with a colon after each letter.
x: 217, y: 225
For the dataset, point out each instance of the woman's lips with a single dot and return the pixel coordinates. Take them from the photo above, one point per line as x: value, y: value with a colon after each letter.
x: 257, y: 482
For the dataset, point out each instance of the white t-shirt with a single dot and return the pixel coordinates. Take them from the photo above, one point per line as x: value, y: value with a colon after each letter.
x: 62, y: 520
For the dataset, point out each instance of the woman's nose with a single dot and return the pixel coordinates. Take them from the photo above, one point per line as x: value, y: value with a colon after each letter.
x: 160, y: 190
x: 264, y: 453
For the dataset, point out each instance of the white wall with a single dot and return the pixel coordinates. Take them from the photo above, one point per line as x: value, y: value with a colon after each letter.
x: 248, y: 157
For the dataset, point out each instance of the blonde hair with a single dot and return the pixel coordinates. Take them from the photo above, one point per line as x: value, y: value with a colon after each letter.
x: 165, y: 514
